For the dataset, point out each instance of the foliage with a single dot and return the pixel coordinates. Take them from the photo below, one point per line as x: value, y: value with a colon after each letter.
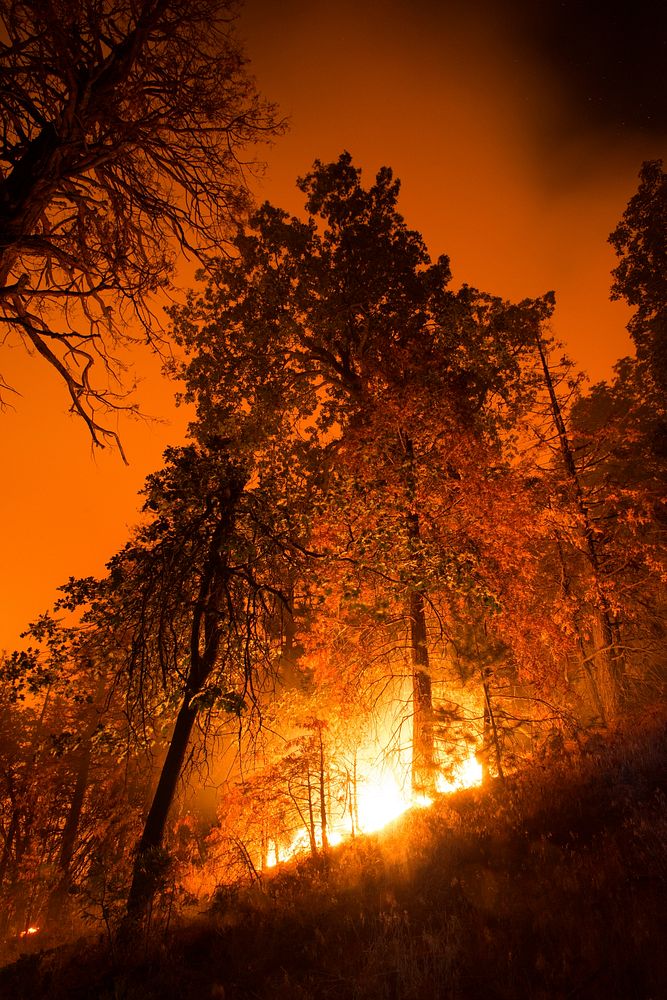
x: 639, y: 278
x: 401, y: 536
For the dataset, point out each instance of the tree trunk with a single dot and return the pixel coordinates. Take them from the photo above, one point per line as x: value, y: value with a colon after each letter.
x: 312, y: 836
x: 608, y: 658
x: 58, y: 894
x: 323, y: 798
x: 146, y: 873
x: 354, y: 800
x: 71, y: 828
x: 9, y: 843
x: 592, y: 683
x: 423, y: 744
x: 490, y: 723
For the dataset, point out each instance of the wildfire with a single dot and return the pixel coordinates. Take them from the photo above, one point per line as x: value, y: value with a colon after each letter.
x: 28, y: 931
x: 464, y: 775
x: 380, y: 797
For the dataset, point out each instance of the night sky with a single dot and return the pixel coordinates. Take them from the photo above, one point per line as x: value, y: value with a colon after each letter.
x: 517, y: 129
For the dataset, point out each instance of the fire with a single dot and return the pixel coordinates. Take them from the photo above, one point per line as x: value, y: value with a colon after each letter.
x: 382, y: 795
x: 381, y: 800
x: 464, y: 775
x: 28, y: 931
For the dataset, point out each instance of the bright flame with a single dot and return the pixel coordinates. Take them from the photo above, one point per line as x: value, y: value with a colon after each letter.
x: 467, y: 774
x: 381, y: 797
x: 381, y: 800
x: 28, y: 930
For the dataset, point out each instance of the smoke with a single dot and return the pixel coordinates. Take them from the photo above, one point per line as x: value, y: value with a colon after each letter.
x: 517, y: 128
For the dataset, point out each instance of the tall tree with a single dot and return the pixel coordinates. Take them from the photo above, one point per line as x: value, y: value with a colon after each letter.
x: 640, y: 241
x: 608, y: 677
x: 190, y: 602
x: 123, y: 126
x: 342, y: 329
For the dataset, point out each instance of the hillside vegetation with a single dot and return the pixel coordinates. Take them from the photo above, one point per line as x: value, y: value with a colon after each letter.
x: 549, y: 886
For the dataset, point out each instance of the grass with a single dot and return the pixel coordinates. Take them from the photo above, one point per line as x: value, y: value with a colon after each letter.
x: 550, y: 887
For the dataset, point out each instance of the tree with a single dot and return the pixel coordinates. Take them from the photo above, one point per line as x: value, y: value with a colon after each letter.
x: 608, y: 677
x: 189, y: 602
x: 63, y: 736
x: 342, y: 329
x: 617, y: 427
x: 640, y: 240
x: 123, y: 126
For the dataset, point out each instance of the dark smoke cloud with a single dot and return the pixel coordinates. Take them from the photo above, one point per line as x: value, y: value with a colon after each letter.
x: 608, y: 58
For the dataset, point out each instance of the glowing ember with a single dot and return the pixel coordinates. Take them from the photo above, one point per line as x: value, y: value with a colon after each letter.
x: 28, y: 931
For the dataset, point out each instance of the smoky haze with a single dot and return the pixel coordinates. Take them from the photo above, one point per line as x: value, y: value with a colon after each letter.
x: 517, y: 130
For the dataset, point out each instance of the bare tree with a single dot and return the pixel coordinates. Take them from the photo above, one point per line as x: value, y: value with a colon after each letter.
x: 123, y: 123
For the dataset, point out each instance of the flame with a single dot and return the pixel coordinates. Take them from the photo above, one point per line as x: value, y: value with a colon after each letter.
x: 465, y: 775
x: 381, y: 800
x: 28, y: 931
x: 381, y: 797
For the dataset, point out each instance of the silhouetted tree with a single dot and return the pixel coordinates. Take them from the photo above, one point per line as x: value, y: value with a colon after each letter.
x: 640, y: 240
x: 123, y: 124
x: 189, y: 603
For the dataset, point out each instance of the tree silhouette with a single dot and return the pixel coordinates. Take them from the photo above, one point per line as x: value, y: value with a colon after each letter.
x: 123, y: 124
x: 640, y: 240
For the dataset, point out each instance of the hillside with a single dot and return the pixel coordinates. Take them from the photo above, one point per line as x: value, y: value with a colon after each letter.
x: 549, y: 887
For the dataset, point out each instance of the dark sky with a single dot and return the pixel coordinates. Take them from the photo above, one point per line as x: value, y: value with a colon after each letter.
x: 517, y: 129
x: 609, y: 60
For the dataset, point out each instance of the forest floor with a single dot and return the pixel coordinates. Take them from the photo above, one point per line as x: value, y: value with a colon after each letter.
x: 551, y: 886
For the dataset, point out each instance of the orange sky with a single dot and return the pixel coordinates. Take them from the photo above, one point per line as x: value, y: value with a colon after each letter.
x: 502, y: 169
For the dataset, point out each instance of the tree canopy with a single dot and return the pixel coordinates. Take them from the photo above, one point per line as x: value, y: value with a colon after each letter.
x: 640, y: 241
x: 401, y: 539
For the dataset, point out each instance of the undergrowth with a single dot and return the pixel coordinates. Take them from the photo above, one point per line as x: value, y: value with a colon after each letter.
x: 550, y: 886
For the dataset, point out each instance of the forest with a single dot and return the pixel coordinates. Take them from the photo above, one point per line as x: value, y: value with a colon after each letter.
x: 395, y: 605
